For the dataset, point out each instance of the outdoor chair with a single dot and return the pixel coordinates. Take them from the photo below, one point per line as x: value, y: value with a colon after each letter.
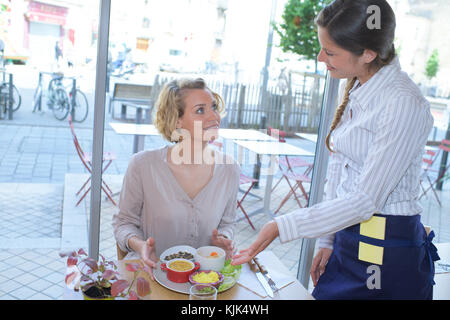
x: 430, y: 175
x: 243, y: 179
x: 276, y: 133
x: 287, y: 167
x: 288, y: 173
x: 86, y: 159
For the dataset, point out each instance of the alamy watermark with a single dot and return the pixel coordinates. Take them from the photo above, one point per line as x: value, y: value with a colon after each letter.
x: 374, y: 280
x: 374, y: 20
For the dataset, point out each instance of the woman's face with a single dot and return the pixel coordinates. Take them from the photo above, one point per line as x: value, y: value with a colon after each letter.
x: 200, y: 113
x: 341, y: 63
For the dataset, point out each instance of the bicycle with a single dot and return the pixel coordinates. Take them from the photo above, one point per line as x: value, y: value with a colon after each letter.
x: 59, y: 101
x: 16, y: 98
x: 79, y: 104
x: 57, y: 98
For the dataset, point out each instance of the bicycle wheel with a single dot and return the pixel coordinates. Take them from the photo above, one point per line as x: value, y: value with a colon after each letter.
x: 81, y: 107
x: 62, y: 104
x: 3, y: 104
x: 16, y: 98
x: 51, y: 97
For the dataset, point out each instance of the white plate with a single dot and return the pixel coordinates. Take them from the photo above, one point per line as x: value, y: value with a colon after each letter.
x: 177, y: 249
x: 161, y: 278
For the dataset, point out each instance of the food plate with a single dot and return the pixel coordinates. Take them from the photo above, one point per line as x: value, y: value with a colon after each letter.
x: 161, y: 278
x: 176, y: 249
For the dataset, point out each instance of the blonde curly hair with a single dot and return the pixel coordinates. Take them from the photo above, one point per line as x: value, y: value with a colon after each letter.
x: 170, y: 104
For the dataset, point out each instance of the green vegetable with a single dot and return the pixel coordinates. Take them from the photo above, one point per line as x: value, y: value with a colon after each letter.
x: 225, y: 286
x: 229, y: 271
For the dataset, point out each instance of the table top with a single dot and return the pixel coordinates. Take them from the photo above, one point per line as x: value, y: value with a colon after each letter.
x: 292, y: 291
x: 150, y: 130
x: 245, y: 134
x: 307, y: 136
x: 135, y: 129
x: 273, y: 148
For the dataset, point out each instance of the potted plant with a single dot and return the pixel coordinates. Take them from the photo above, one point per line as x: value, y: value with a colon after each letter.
x: 98, y: 280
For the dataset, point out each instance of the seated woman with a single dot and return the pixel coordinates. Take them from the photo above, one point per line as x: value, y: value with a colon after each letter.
x: 183, y: 194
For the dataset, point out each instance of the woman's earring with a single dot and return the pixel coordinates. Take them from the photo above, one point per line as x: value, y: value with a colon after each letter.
x: 178, y: 135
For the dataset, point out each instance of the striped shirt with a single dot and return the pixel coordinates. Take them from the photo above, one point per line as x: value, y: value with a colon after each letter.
x: 378, y: 146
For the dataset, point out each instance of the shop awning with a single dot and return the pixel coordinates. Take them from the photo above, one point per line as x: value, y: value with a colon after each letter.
x: 46, y: 18
x: 46, y: 13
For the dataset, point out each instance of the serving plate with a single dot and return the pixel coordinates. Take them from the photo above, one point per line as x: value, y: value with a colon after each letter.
x: 161, y: 278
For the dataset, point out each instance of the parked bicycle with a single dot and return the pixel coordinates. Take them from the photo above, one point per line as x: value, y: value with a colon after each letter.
x: 62, y: 100
x: 15, y: 98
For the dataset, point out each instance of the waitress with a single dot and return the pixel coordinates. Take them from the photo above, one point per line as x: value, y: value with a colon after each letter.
x: 372, y: 244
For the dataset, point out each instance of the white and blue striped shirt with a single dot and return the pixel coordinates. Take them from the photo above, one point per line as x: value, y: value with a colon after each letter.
x: 378, y: 146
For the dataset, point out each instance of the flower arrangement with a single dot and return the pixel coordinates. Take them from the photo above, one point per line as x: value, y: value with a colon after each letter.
x: 98, y: 280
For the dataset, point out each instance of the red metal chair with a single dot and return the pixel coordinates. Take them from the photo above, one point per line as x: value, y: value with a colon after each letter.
x: 243, y: 179
x: 433, y: 176
x: 288, y: 173
x: 86, y: 159
x: 276, y: 133
x: 287, y: 166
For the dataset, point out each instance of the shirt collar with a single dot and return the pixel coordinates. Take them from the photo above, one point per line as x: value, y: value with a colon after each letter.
x: 368, y: 90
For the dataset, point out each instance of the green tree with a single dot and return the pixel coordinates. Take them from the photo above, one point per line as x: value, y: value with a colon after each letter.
x: 432, y: 66
x: 297, y: 31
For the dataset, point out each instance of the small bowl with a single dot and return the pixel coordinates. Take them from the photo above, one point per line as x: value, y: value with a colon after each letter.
x: 176, y: 275
x: 208, y: 262
x: 175, y: 250
x: 215, y: 284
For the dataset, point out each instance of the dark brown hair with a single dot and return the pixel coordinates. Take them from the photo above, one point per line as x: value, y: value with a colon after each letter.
x: 346, y: 21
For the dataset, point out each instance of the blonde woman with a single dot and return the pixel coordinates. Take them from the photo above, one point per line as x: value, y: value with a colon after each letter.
x: 185, y: 193
x: 372, y: 243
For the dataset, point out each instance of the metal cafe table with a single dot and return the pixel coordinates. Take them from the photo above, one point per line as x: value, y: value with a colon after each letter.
x: 141, y: 130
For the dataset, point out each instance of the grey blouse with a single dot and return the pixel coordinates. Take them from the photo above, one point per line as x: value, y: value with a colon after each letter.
x: 153, y: 204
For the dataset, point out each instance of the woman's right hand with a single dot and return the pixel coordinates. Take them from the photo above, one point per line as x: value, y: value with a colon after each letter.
x: 319, y: 263
x: 146, y: 250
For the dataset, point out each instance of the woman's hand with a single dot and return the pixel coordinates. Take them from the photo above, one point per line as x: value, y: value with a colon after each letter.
x: 222, y: 242
x: 319, y: 263
x: 267, y: 234
x: 146, y: 250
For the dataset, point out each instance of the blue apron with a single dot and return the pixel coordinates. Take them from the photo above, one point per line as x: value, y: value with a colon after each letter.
x: 406, y: 272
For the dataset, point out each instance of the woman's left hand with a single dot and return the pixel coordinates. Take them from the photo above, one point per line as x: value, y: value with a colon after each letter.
x: 222, y: 242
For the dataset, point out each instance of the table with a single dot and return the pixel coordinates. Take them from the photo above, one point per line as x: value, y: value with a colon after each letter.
x: 307, y: 136
x: 441, y: 290
x: 141, y: 130
x: 245, y: 134
x: 272, y: 149
x: 293, y: 291
x: 138, y: 130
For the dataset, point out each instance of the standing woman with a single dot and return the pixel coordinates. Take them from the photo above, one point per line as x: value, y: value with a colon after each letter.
x: 373, y: 245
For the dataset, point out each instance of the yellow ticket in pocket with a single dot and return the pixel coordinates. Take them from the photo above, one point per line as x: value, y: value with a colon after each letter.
x: 370, y: 253
x: 375, y: 227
